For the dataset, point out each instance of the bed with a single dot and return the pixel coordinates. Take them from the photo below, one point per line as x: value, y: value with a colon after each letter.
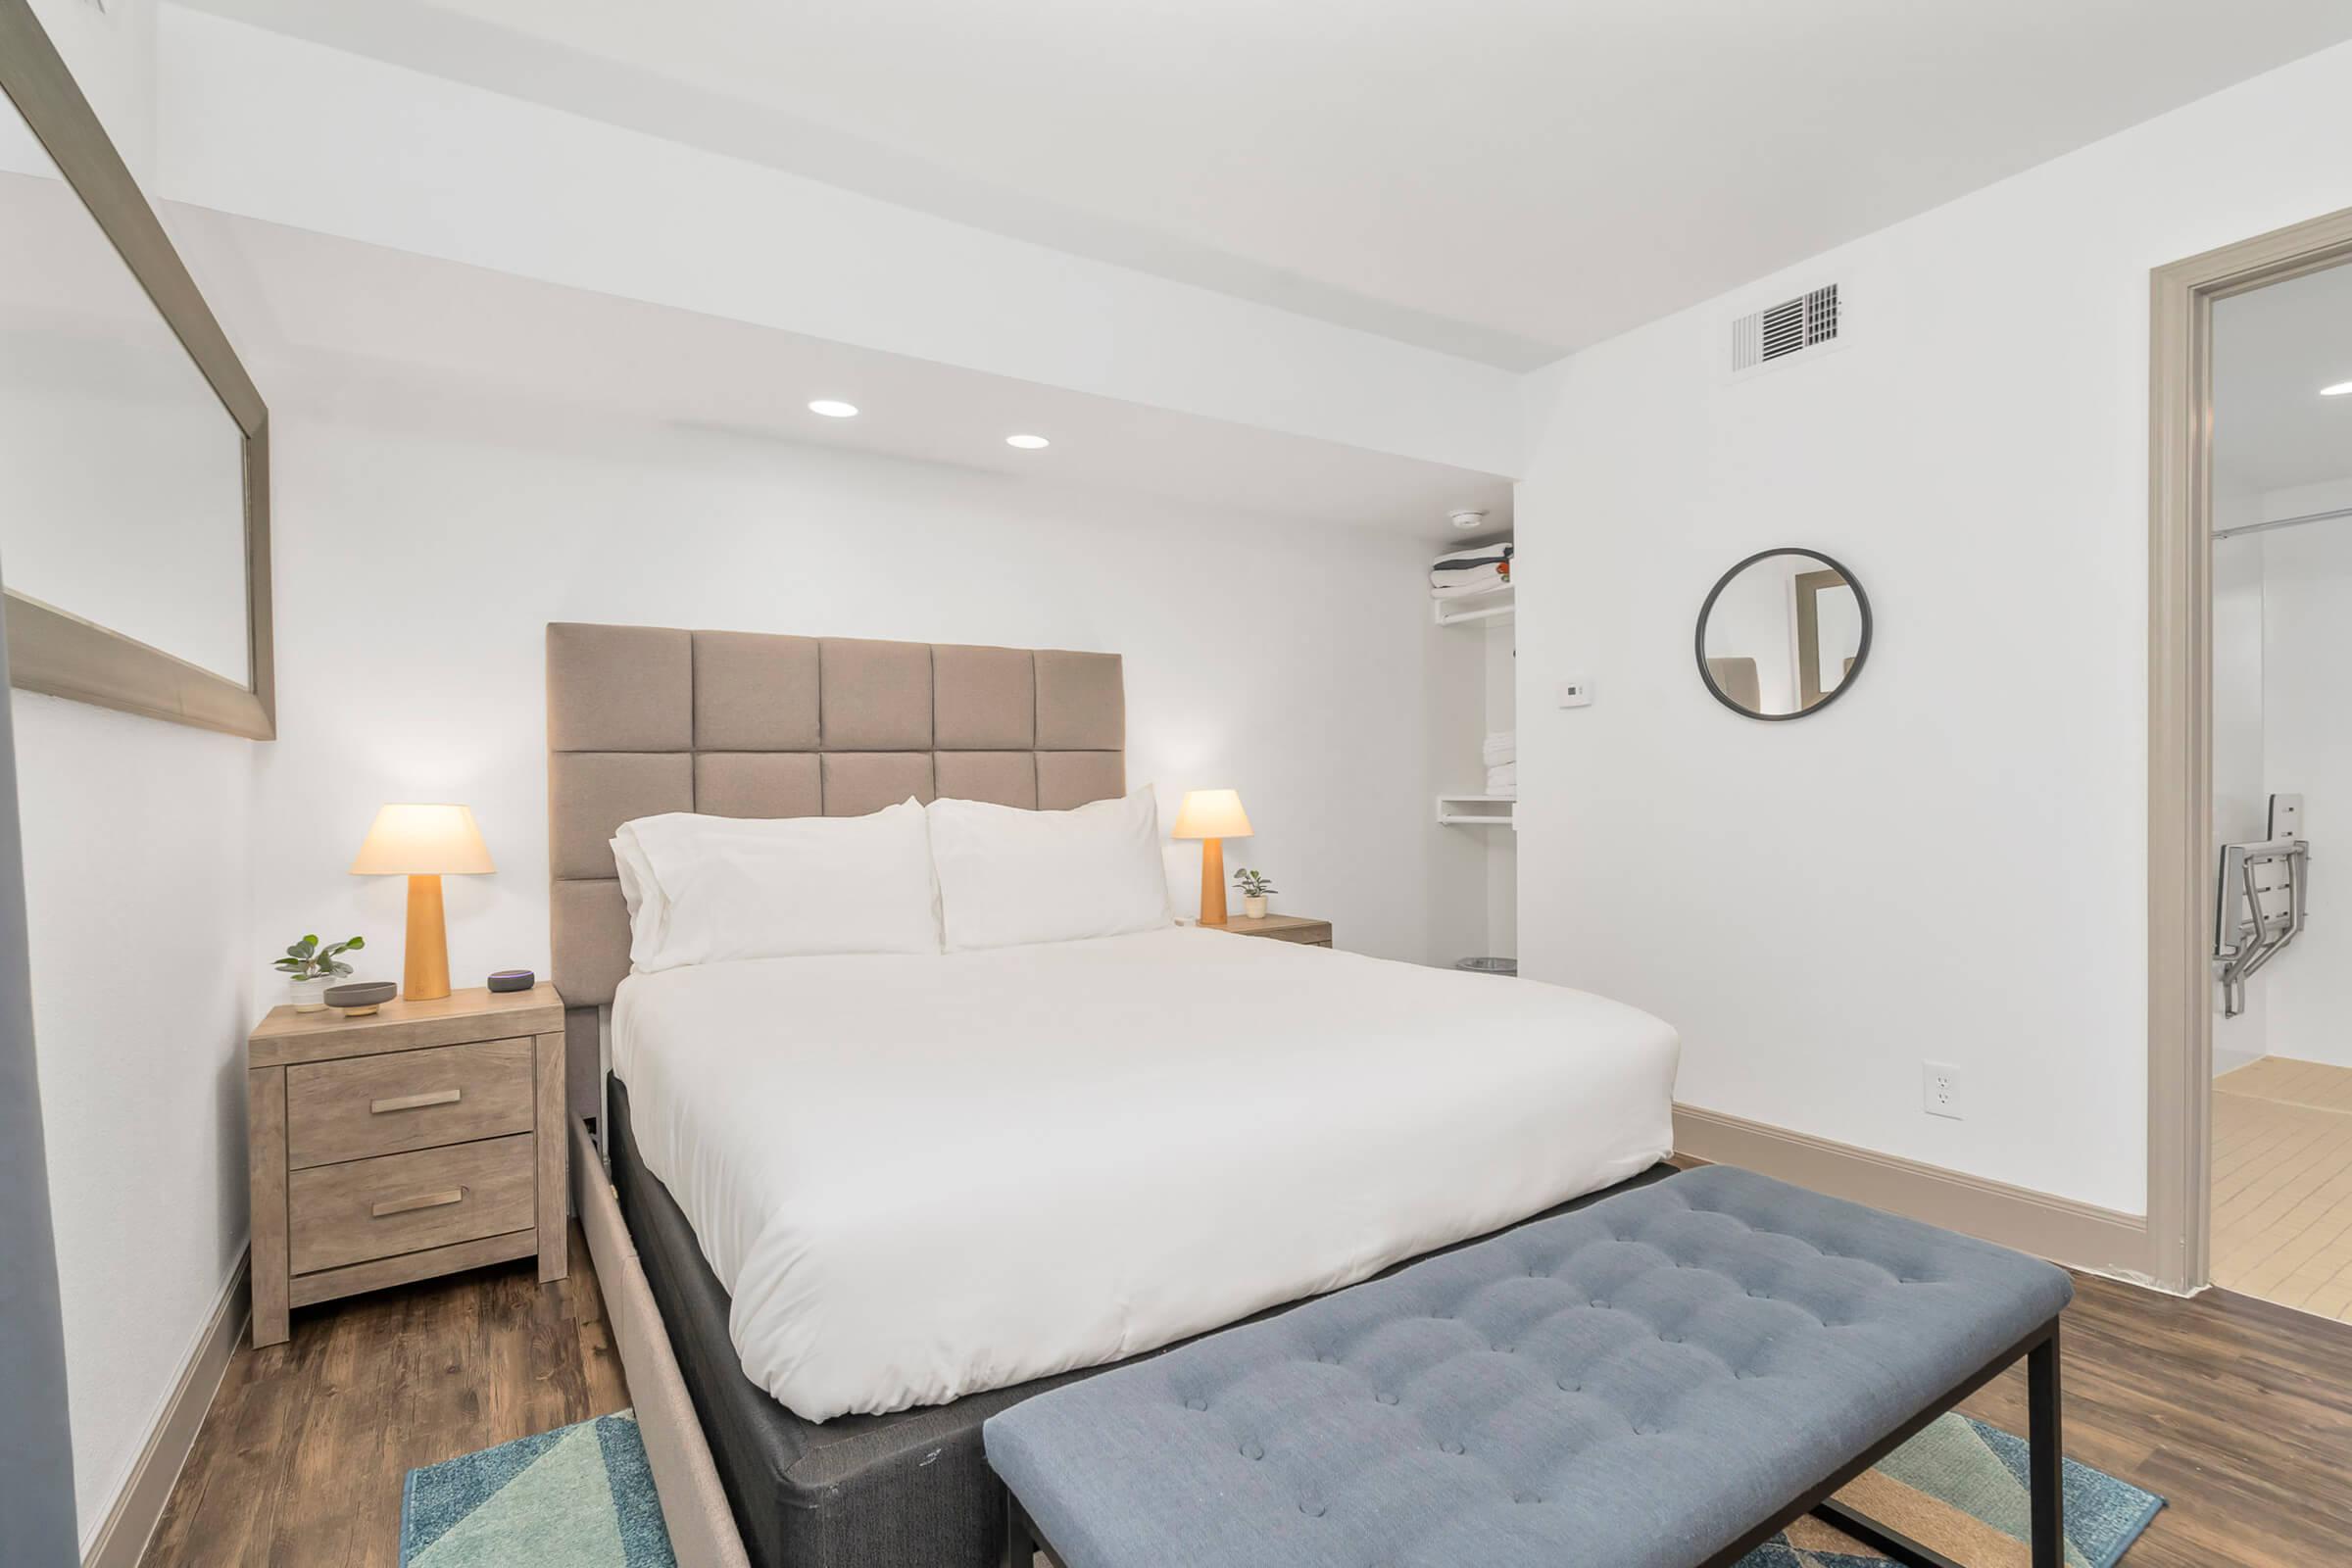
x: 875, y: 1199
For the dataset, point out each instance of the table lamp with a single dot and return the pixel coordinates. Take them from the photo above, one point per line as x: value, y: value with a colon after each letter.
x: 1213, y: 816
x: 424, y: 842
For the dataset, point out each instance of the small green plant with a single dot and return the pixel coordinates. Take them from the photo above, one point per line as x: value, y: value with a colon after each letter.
x: 308, y: 960
x: 1253, y: 883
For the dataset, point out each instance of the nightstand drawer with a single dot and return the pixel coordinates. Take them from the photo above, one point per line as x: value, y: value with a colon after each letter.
x: 365, y: 1105
x: 368, y: 1208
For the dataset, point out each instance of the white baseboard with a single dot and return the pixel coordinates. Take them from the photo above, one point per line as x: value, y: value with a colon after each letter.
x: 2085, y: 1235
x: 123, y: 1539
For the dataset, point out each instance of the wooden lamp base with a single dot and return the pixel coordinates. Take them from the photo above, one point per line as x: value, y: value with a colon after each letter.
x: 1212, y: 881
x: 424, y: 968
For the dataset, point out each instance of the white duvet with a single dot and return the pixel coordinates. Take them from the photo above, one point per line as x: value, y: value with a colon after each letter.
x: 922, y: 1176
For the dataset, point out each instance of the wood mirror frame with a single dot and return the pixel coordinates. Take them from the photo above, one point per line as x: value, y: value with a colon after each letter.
x: 51, y: 649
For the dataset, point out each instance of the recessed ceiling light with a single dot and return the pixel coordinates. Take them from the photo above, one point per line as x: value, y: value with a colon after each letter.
x: 1027, y: 443
x: 2340, y: 389
x: 833, y: 408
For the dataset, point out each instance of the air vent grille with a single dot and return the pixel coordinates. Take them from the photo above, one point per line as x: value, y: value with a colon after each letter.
x: 1791, y: 327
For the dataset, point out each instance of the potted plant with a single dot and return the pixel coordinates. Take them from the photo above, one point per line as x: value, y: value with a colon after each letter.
x: 1254, y: 887
x: 311, y: 968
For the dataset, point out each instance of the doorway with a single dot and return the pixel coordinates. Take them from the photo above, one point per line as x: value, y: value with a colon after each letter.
x: 2250, y: 1057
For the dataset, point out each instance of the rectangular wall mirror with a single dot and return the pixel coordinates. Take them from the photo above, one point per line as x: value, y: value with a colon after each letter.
x: 134, y: 495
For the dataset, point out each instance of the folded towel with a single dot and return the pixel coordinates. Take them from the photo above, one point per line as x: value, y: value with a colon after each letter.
x: 1499, y: 748
x: 1503, y: 781
x: 1471, y: 570
x: 1468, y: 583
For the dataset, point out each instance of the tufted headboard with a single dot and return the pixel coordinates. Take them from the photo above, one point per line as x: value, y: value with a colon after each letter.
x: 642, y: 720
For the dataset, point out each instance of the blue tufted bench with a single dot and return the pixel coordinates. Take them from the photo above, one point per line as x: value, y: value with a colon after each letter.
x: 1662, y: 1380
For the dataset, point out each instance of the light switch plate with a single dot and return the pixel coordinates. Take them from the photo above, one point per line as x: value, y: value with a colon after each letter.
x: 1576, y: 693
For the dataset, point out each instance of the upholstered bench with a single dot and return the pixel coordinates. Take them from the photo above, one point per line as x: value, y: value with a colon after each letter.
x: 1662, y: 1380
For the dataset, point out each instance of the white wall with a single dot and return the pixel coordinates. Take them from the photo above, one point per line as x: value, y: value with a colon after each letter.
x: 1949, y: 864
x: 2306, y: 728
x: 1501, y: 844
x: 111, y: 50
x: 136, y: 858
x: 2240, y: 798
x: 417, y: 568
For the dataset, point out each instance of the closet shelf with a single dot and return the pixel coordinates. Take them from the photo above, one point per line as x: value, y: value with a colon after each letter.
x: 1478, y: 811
x: 1491, y: 604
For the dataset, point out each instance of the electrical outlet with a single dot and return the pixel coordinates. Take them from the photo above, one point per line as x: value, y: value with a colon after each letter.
x: 1940, y: 1089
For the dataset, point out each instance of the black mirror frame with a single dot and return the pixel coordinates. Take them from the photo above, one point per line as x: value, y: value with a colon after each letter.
x: 1698, y: 637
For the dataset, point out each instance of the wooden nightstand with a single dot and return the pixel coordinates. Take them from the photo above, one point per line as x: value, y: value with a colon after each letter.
x: 420, y: 1139
x: 1281, y: 928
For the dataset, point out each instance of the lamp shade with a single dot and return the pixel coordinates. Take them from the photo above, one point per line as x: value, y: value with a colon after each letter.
x: 1210, y: 814
x: 423, y: 840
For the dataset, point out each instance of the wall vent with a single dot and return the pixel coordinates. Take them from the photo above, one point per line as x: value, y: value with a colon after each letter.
x: 1772, y: 334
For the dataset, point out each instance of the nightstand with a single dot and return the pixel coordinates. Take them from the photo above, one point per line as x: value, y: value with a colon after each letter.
x: 1281, y: 928
x: 420, y: 1140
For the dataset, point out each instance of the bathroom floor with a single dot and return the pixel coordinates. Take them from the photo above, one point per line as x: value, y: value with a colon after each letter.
x: 2282, y: 1184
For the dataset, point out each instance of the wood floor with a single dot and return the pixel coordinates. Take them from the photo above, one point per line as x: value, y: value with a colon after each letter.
x: 2236, y: 1411
x: 301, y: 1455
x: 2282, y: 1184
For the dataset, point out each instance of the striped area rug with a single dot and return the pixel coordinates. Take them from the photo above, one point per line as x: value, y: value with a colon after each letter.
x: 581, y: 1496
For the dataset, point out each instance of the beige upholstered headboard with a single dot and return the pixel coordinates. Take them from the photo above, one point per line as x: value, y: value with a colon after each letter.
x: 642, y: 720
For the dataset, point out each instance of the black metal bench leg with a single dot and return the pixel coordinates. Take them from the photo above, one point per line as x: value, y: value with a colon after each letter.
x: 1891, y: 1545
x: 2047, y: 1464
x: 1021, y: 1543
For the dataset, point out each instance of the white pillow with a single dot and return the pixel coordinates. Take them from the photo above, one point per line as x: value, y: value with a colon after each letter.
x: 706, y: 889
x: 1009, y: 877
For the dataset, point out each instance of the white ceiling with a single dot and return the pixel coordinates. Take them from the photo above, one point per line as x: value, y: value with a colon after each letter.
x: 336, y: 326
x: 1506, y: 180
x: 2273, y: 350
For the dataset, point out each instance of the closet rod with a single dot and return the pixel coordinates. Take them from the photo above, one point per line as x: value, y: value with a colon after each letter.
x: 2283, y: 522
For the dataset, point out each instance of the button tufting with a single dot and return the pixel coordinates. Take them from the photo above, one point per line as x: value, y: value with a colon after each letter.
x: 1566, y: 1387
x: 1313, y: 1511
x: 1254, y: 1450
x: 1452, y: 1447
x: 1599, y: 1302
x: 1385, y: 1398
x: 1526, y: 1497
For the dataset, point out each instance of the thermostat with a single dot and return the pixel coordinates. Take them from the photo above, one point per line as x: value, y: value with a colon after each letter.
x: 1576, y: 692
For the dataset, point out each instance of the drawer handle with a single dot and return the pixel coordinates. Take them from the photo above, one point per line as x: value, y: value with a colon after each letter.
x: 402, y: 1206
x: 439, y: 1096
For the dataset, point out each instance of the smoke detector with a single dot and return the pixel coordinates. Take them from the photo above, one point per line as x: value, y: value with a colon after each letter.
x: 1468, y: 521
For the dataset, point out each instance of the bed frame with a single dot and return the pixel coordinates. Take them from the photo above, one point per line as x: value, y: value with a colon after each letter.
x: 644, y: 719
x: 641, y: 720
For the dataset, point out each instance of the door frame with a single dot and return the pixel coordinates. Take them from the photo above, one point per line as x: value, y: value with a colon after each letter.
x: 2181, y: 721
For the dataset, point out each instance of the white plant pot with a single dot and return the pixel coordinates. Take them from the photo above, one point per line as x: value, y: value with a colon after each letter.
x: 1254, y: 909
x: 308, y: 996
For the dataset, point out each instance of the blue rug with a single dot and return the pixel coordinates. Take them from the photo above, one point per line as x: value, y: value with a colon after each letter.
x: 1960, y: 1487
x: 583, y: 1497
x: 580, y: 1497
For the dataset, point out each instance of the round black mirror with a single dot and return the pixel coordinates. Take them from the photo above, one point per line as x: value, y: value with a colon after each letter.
x: 1783, y: 634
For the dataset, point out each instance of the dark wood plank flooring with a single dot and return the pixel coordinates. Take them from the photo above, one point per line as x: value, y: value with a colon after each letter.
x: 301, y: 1455
x: 2238, y: 1412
